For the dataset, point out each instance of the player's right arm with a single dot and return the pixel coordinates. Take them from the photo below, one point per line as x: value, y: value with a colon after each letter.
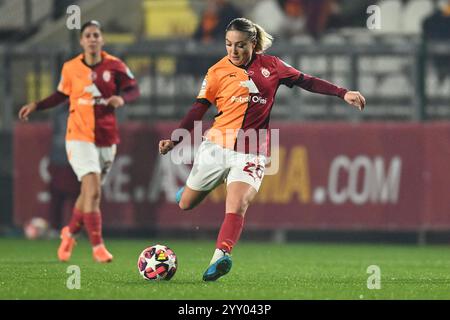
x: 47, y: 103
x: 196, y: 113
x: 165, y: 146
x: 58, y: 97
x: 26, y: 110
x: 206, y: 96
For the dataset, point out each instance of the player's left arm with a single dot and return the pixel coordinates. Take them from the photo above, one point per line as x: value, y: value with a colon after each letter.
x: 290, y: 77
x: 128, y: 88
x: 317, y: 85
x: 355, y: 98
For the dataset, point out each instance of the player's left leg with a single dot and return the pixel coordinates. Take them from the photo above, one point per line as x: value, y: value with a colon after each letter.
x: 91, y: 193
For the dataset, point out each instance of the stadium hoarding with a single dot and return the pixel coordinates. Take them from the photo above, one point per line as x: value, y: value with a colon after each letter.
x: 332, y: 176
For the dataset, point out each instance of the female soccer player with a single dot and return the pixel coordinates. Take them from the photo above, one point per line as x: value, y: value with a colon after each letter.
x: 96, y: 83
x: 242, y: 85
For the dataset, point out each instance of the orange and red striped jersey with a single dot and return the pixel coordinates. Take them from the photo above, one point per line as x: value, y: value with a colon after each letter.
x: 244, y: 97
x: 88, y: 87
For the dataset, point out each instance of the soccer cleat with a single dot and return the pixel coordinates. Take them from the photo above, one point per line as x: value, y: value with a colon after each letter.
x: 66, y: 246
x: 102, y: 255
x: 218, y: 269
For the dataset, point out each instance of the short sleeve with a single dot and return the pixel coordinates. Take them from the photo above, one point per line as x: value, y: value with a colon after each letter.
x: 124, y: 76
x: 286, y: 73
x: 209, y: 88
x: 65, y: 83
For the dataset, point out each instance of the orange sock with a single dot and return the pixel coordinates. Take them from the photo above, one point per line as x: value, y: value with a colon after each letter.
x: 76, y: 221
x: 230, y: 231
x: 93, y: 223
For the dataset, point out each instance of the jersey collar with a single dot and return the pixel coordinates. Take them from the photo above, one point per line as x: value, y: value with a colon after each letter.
x: 102, y: 54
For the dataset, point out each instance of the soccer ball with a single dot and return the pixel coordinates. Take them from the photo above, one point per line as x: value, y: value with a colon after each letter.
x: 36, y: 228
x: 157, y: 262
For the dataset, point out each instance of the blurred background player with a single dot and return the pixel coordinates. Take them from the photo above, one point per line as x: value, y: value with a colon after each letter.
x: 212, y: 21
x: 96, y: 84
x: 242, y: 85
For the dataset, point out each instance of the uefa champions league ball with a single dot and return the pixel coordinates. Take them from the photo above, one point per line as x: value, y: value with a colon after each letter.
x: 157, y: 262
x: 36, y: 228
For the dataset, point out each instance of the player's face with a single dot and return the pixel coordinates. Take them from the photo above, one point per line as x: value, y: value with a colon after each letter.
x: 239, y: 47
x: 92, y: 40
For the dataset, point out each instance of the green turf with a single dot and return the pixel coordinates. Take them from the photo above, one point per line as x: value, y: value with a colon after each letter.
x: 29, y: 270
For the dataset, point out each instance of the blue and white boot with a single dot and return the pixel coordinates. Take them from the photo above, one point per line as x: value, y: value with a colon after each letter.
x: 220, y: 265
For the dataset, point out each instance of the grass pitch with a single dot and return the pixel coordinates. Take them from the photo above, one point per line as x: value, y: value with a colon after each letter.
x: 30, y: 270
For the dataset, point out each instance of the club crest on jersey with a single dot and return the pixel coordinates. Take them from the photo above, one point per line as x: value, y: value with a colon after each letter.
x: 265, y: 72
x: 106, y: 76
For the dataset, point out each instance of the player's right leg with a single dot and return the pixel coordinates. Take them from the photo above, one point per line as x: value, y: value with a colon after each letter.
x: 191, y: 198
x: 68, y: 232
x: 208, y: 171
x: 79, y: 154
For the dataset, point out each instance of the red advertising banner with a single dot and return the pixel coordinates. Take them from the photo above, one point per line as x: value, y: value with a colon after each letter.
x: 436, y: 176
x: 331, y: 176
x: 31, y: 176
